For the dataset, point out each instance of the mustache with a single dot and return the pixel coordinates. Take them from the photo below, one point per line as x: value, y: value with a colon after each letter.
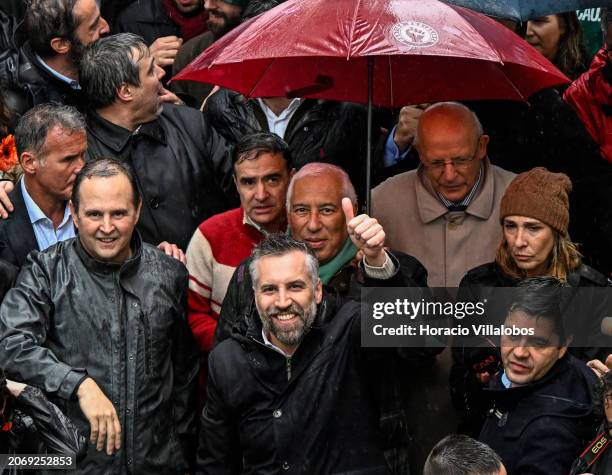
x: 293, y: 308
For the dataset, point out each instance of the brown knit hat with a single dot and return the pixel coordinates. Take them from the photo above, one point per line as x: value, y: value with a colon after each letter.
x: 539, y: 194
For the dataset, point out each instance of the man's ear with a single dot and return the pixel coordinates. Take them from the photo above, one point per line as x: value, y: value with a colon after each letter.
x: 60, y: 45
x: 564, y: 348
x: 125, y: 92
x: 29, y: 163
x: 319, y: 292
x: 482, y: 145
x: 73, y: 213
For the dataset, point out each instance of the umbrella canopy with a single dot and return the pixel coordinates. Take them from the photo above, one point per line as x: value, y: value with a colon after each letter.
x: 418, y: 51
x: 523, y: 10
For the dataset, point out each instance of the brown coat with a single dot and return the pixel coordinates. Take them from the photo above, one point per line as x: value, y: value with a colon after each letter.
x: 447, y: 243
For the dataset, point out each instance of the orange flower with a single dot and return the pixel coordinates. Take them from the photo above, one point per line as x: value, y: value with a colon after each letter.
x: 8, y: 154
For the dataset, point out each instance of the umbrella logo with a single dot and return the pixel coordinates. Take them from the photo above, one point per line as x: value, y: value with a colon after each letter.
x: 414, y: 33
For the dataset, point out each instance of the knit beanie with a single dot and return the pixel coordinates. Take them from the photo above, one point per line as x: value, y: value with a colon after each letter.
x: 541, y: 195
x: 238, y: 3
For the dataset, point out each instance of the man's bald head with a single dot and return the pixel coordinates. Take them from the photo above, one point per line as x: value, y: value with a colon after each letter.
x: 447, y: 117
x: 451, y: 147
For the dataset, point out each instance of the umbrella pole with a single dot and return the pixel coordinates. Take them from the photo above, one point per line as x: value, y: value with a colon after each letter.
x: 369, y: 135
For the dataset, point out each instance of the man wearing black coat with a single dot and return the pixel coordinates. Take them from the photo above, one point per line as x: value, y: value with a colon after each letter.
x: 316, y: 130
x: 99, y: 323
x: 181, y: 165
x: 541, y: 405
x: 292, y: 391
x: 45, y: 68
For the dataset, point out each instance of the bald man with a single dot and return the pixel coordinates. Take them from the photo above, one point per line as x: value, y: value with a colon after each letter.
x: 446, y: 212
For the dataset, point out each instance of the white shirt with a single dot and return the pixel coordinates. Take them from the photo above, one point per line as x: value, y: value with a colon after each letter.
x: 278, y: 123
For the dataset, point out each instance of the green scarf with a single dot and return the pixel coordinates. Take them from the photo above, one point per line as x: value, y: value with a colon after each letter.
x: 328, y: 270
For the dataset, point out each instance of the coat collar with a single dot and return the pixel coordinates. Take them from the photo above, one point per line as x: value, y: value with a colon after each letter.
x: 117, y: 137
x: 128, y: 267
x: 431, y: 208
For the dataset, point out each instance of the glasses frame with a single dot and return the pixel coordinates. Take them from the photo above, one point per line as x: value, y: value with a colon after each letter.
x: 458, y: 163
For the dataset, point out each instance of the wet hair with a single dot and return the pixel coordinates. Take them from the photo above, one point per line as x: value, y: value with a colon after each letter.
x: 572, y: 57
x: 104, y: 168
x: 35, y: 124
x: 542, y: 297
x: 107, y: 64
x: 564, y: 259
x: 48, y: 19
x: 277, y: 245
x: 257, y: 7
x: 318, y: 169
x: 458, y: 454
x: 603, y: 391
x: 251, y: 146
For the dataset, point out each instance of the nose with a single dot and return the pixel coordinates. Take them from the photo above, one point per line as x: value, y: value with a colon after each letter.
x: 529, y: 31
x: 449, y: 172
x: 520, y: 240
x: 107, y: 225
x: 160, y: 72
x: 521, y: 352
x: 208, y: 4
x: 283, y: 299
x: 261, y: 194
x: 314, y: 223
x: 104, y: 28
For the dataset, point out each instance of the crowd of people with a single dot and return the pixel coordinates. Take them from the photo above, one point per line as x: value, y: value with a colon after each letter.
x: 182, y: 267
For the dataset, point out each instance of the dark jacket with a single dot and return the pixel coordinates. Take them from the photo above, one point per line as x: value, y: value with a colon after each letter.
x: 26, y: 83
x: 8, y: 275
x: 308, y: 414
x: 124, y: 325
x: 183, y: 172
x: 39, y: 427
x: 17, y: 236
x: 239, y: 307
x: 540, y: 428
x: 319, y: 131
x: 146, y: 18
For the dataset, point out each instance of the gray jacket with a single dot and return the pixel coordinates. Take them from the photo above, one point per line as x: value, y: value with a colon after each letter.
x: 71, y: 316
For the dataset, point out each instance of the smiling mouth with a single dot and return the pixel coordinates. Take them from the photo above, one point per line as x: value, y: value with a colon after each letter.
x: 284, y: 317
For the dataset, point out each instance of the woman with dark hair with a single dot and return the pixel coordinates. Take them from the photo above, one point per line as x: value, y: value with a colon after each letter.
x: 559, y: 39
x: 30, y: 424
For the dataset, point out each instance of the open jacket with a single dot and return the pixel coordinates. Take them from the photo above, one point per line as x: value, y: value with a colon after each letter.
x: 319, y: 131
x: 540, y: 428
x: 71, y: 316
x: 311, y: 413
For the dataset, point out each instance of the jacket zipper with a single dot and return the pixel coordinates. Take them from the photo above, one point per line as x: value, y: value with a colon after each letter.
x: 288, y: 366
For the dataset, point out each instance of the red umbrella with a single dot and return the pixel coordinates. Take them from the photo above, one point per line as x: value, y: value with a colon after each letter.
x: 383, y: 52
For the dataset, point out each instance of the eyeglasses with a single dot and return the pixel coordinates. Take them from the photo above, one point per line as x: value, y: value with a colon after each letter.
x: 459, y: 162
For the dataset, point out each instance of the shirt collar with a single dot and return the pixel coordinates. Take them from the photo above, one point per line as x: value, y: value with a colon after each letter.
x: 116, y: 137
x: 34, y: 211
x: 468, y: 198
x: 246, y: 219
x: 269, y: 344
x: 71, y: 82
x: 291, y: 108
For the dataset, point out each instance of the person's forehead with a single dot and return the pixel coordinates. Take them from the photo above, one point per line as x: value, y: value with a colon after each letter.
x: 110, y: 191
x: 58, y: 138
x: 542, y: 326
x: 265, y: 164
x: 289, y: 267
x: 317, y: 190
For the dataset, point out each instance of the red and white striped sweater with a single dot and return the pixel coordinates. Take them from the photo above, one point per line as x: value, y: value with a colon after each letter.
x: 217, y: 247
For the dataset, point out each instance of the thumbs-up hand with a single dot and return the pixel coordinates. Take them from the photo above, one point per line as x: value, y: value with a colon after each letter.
x: 366, y: 233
